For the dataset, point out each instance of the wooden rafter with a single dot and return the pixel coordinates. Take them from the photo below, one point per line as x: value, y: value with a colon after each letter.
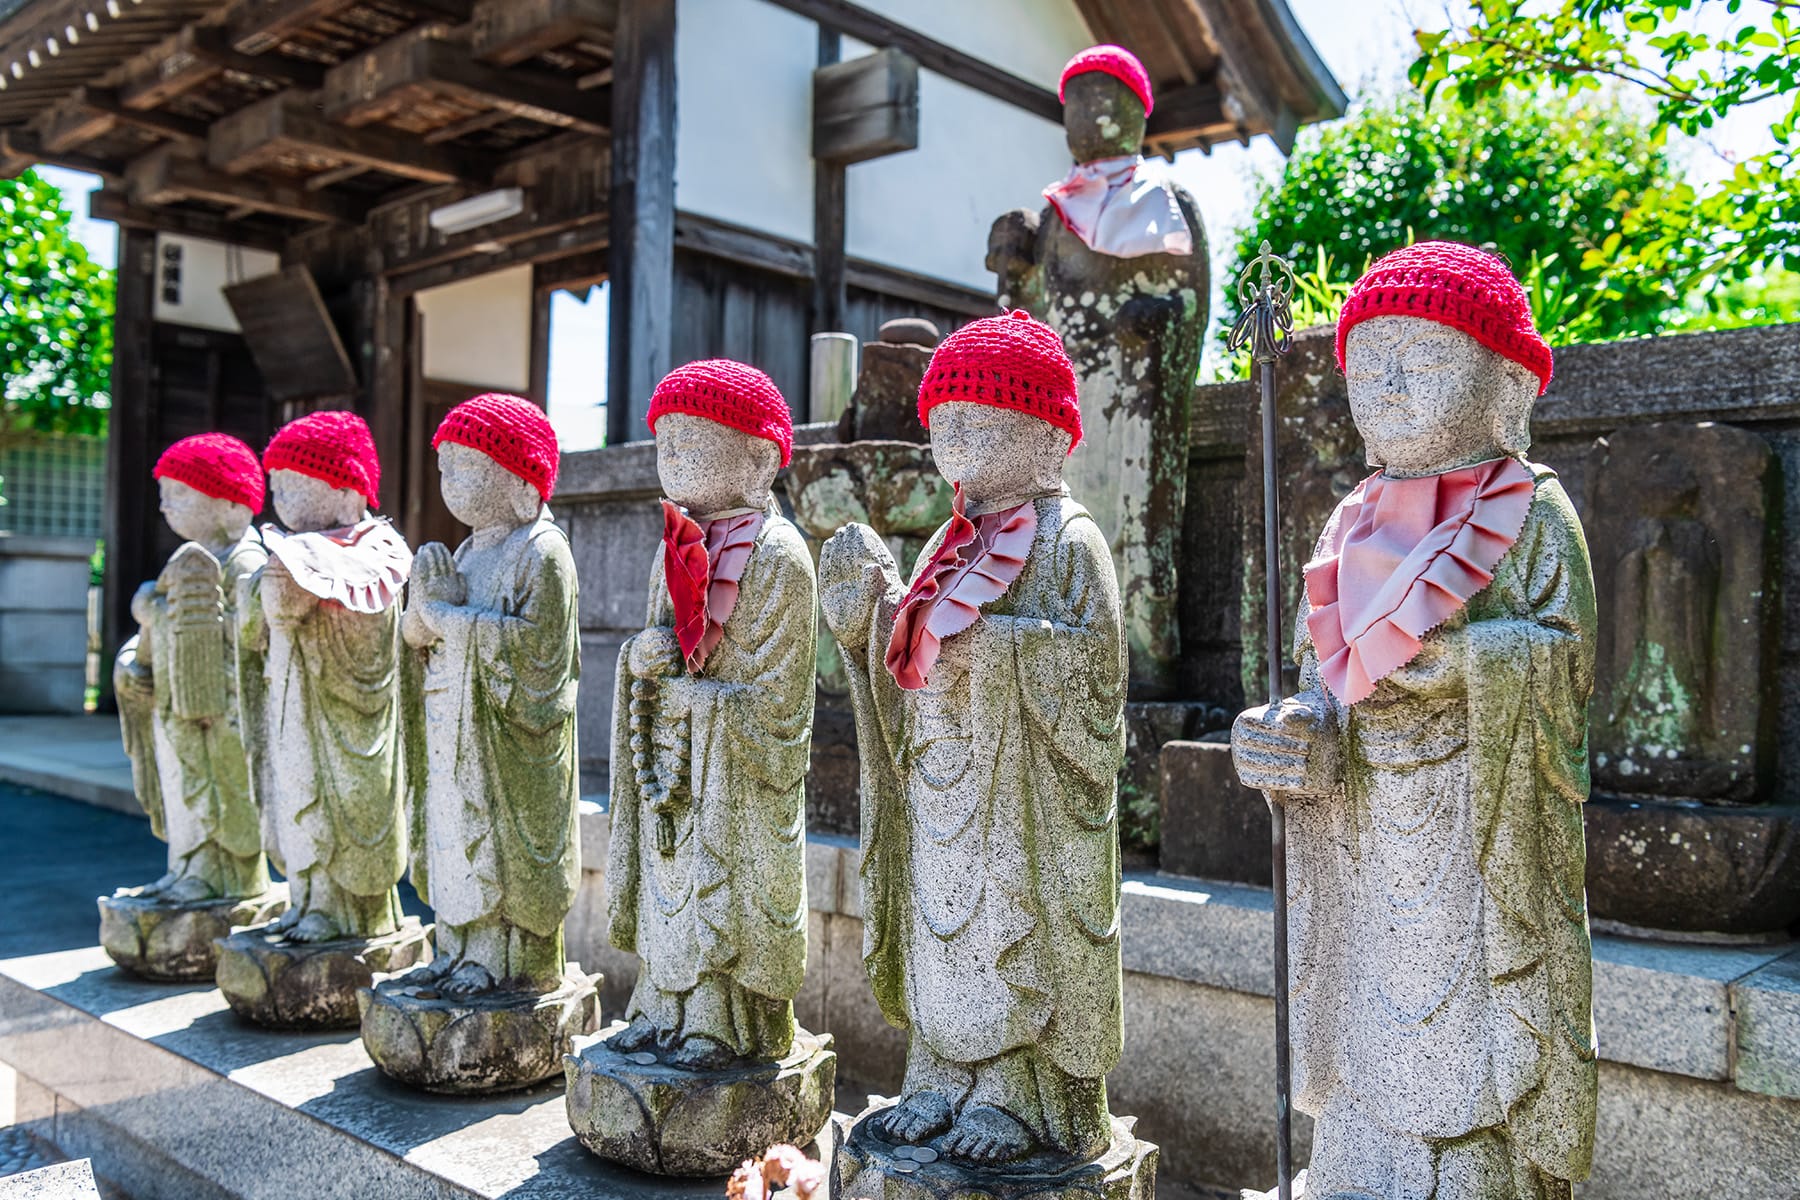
x: 289, y: 123
x: 105, y: 204
x: 164, y: 176
x: 368, y: 87
x: 508, y: 32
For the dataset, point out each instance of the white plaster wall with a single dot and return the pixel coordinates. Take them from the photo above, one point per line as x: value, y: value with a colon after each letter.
x: 479, y: 331
x: 205, y: 268
x: 743, y: 114
x: 744, y: 121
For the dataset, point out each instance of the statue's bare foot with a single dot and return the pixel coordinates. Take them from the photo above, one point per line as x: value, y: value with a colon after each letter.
x: 920, y: 1116
x: 986, y: 1137
x: 314, y: 927
x: 188, y: 890
x: 467, y: 980
x: 157, y: 888
x: 428, y: 974
x: 701, y: 1054
x: 286, y: 921
x: 639, y: 1035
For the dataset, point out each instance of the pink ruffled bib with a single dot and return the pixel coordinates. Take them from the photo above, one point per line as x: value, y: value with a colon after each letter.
x: 362, y: 567
x: 1402, y: 556
x: 702, y: 564
x: 1122, y: 207
x: 948, y: 594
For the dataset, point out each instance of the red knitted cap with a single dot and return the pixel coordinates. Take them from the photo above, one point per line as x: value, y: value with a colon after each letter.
x: 512, y: 431
x: 217, y: 465
x: 336, y: 447
x: 1454, y: 285
x: 731, y: 393
x: 1116, y: 61
x: 1009, y: 361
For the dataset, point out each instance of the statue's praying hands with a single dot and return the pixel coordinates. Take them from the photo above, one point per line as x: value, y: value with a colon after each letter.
x: 435, y: 580
x: 1289, y: 748
x: 856, y: 574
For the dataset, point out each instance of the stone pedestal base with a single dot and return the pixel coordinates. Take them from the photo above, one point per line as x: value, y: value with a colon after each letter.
x: 280, y: 984
x: 635, y: 1110
x: 160, y: 939
x: 866, y: 1167
x: 476, y: 1045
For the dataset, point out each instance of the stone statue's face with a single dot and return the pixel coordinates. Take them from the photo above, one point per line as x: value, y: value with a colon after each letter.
x: 198, y: 517
x: 707, y: 467
x: 1428, y: 398
x: 481, y: 493
x: 996, y: 453
x: 1101, y: 117
x: 307, y: 505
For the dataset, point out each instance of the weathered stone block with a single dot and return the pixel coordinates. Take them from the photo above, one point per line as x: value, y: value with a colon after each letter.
x: 155, y: 938
x: 494, y: 1041
x: 1768, y: 1029
x: 870, y: 1168
x: 1213, y: 827
x: 1692, y: 868
x: 280, y: 984
x: 64, y: 1181
x: 636, y: 1110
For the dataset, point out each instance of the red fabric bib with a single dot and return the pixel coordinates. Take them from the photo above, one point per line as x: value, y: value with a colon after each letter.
x: 1402, y: 556
x: 701, y: 568
x: 948, y: 594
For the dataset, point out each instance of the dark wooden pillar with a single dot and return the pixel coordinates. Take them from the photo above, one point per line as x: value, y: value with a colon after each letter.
x: 131, y: 505
x: 642, y: 218
x: 829, y: 209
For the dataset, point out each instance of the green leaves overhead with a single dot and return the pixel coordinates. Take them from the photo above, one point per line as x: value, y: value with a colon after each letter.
x: 56, y: 312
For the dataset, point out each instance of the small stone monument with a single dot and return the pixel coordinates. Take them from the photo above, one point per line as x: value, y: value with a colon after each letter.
x: 320, y: 690
x: 493, y: 660
x: 706, y: 872
x: 1117, y: 263
x: 176, y: 682
x: 989, y: 698
x: 1434, y: 767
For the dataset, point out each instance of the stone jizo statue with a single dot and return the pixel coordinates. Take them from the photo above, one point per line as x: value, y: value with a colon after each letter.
x: 176, y: 682
x: 712, y: 733
x: 493, y: 663
x: 1117, y: 263
x: 989, y: 697
x: 1435, y: 766
x: 320, y: 683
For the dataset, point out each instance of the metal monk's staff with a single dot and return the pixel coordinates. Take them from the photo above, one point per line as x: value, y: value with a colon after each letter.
x: 1264, y: 328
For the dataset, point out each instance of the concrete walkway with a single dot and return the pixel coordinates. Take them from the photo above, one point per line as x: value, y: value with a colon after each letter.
x: 78, y: 757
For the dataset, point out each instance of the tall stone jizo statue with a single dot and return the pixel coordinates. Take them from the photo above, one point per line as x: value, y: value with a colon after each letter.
x: 492, y: 661
x: 320, y: 690
x: 176, y: 681
x: 989, y: 699
x: 1435, y: 766
x: 1117, y: 263
x: 706, y: 872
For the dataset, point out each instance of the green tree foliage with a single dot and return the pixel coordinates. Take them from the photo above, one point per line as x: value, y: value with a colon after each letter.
x: 56, y: 310
x: 1696, y: 61
x: 1541, y: 182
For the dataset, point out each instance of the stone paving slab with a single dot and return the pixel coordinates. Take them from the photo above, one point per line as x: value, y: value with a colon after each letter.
x: 269, y: 1115
x: 78, y: 757
x: 63, y: 1181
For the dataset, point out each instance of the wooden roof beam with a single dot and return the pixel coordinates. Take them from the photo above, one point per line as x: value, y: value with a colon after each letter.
x: 164, y: 176
x: 108, y: 205
x: 289, y: 122
x: 73, y: 123
x: 21, y: 148
x: 365, y: 88
x: 1186, y: 111
x: 853, y: 20
x: 261, y: 25
x: 508, y: 32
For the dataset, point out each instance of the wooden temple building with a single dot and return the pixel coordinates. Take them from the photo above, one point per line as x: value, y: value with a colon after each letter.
x: 308, y: 190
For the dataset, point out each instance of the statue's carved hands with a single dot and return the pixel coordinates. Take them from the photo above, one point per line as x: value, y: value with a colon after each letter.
x: 143, y: 602
x: 655, y: 654
x: 1436, y: 672
x: 435, y: 583
x: 856, y: 573
x: 1291, y: 747
x: 191, y: 581
x: 283, y: 599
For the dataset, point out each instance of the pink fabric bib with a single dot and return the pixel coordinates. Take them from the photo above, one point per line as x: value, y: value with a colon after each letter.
x: 1402, y: 556
x: 362, y: 566
x: 948, y: 594
x: 702, y: 564
x: 1122, y: 207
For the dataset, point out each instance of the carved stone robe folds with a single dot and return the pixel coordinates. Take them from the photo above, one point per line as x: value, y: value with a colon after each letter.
x: 328, y: 755
x: 1442, y: 970
x: 990, y: 869
x: 720, y: 919
x: 500, y: 779
x: 189, y: 769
